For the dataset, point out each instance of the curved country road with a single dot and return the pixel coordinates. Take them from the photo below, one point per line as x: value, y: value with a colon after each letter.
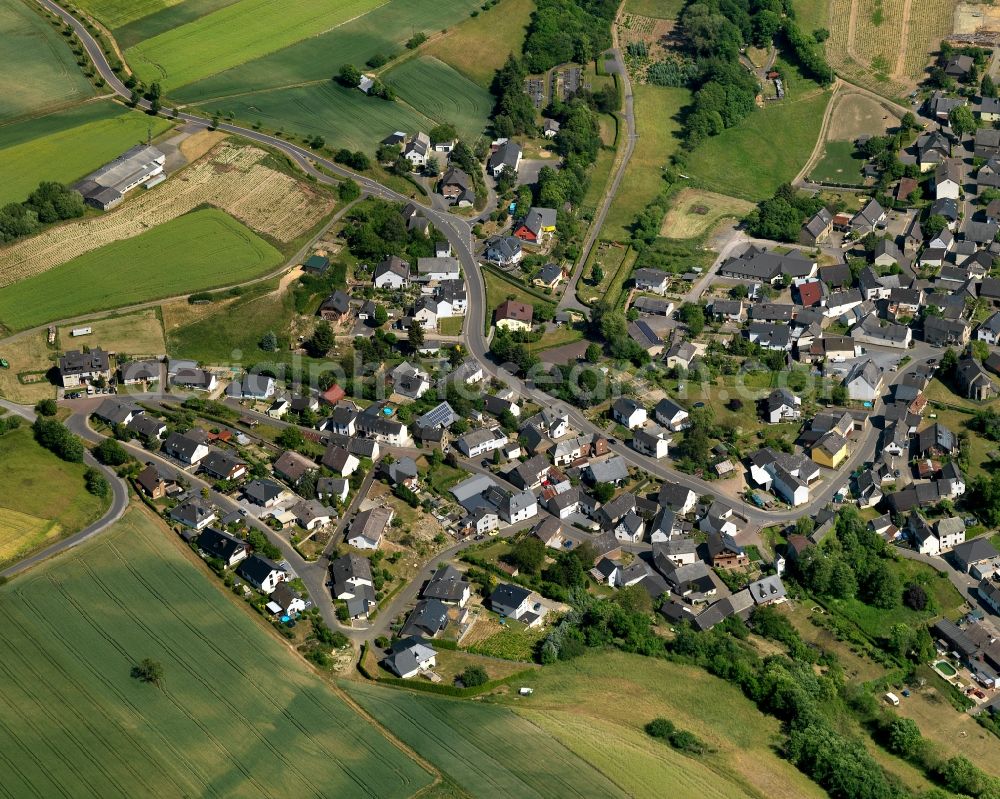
x: 459, y: 234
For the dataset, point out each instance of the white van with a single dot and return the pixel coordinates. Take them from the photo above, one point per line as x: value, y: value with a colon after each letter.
x: 892, y: 699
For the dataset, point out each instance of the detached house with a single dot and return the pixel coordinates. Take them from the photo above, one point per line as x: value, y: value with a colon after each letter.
x: 536, y: 225
x: 393, y: 273
x: 782, y: 406
x: 629, y: 413
x: 368, y: 527
x: 513, y: 315
x: 654, y: 280
x: 506, y: 156
x: 261, y: 573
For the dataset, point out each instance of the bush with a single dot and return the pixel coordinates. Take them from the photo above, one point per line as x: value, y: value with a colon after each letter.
x: 474, y: 676
x: 111, y: 453
x: 682, y: 740
x: 96, y: 483
x: 57, y: 438
x: 46, y: 407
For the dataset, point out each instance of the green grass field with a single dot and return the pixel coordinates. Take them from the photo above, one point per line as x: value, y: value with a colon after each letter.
x: 767, y: 148
x: 663, y: 9
x: 656, y: 110
x: 233, y: 35
x: 744, y: 762
x: 44, y: 498
x: 488, y: 751
x: 439, y: 92
x: 500, y: 289
x: 503, y: 26
x: 37, y: 68
x: 811, y: 14
x: 196, y: 251
x: 876, y: 622
x: 382, y: 30
x: 164, y: 19
x: 239, y: 325
x: 237, y: 712
x: 115, y: 13
x: 344, y: 117
x: 48, y: 150
x: 838, y: 164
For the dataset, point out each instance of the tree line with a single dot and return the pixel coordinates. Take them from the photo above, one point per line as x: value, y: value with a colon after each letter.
x: 50, y: 202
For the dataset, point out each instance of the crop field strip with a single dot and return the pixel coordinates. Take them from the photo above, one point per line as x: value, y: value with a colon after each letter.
x: 198, y: 251
x: 235, y: 34
x: 114, y: 592
x: 38, y: 71
x: 68, y: 153
x: 384, y: 30
x: 165, y: 19
x: 441, y: 93
x: 231, y: 178
x: 344, y: 117
x: 487, y: 750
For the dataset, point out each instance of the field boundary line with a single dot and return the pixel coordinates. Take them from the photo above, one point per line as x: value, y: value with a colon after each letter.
x: 899, y: 70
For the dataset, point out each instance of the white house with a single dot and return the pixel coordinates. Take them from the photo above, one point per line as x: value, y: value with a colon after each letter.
x: 653, y: 441
x: 629, y: 413
x: 368, y: 526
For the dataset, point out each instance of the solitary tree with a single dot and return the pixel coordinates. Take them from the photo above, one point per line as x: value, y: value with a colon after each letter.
x: 149, y: 670
x: 381, y: 315
x: 416, y: 335
x: 269, y: 342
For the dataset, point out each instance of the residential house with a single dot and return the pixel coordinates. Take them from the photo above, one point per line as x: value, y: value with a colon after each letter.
x: 724, y: 552
x: 480, y: 441
x: 942, y: 332
x: 671, y: 415
x: 948, y: 179
x: 654, y: 280
x: 252, y: 386
x: 513, y: 315
x: 680, y: 355
x: 368, y: 526
x: 194, y: 514
x: 628, y: 413
x: 830, y: 451
x: 185, y: 449
x: 506, y: 156
x: 976, y: 552
x: 227, y: 548
x: 503, y: 250
x: 549, y: 276
x: 79, y: 368
x: 680, y: 499
x: 864, y: 382
x: 410, y: 657
x: 135, y: 372
x: 511, y: 601
x: 261, y: 573
x: 285, y: 602
x: 653, y: 441
x: 392, y: 273
x: 782, y: 405
x: 973, y: 380
x: 332, y: 489
x: 336, y: 307
x: 448, y: 585
x: 986, y: 143
x: 291, y: 466
x: 875, y: 331
x: 429, y: 617
x: 817, y: 229
x: 221, y: 465
x: 457, y: 187
x: 264, y: 493
x: 869, y: 218
x: 312, y: 514
x: 537, y: 224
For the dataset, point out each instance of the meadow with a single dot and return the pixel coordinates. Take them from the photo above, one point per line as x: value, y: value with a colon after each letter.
x: 63, y: 147
x: 44, y: 498
x: 838, y: 164
x: 384, y: 30
x: 233, y: 35
x: 197, y: 251
x: 744, y: 762
x: 656, y: 110
x: 488, y: 751
x: 38, y: 70
x: 344, y: 117
x: 136, y: 334
x: 694, y: 213
x: 115, y: 13
x: 163, y: 19
x: 767, y: 148
x: 661, y: 9
x: 236, y: 712
x: 220, y: 329
x: 504, y: 26
x: 441, y: 93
